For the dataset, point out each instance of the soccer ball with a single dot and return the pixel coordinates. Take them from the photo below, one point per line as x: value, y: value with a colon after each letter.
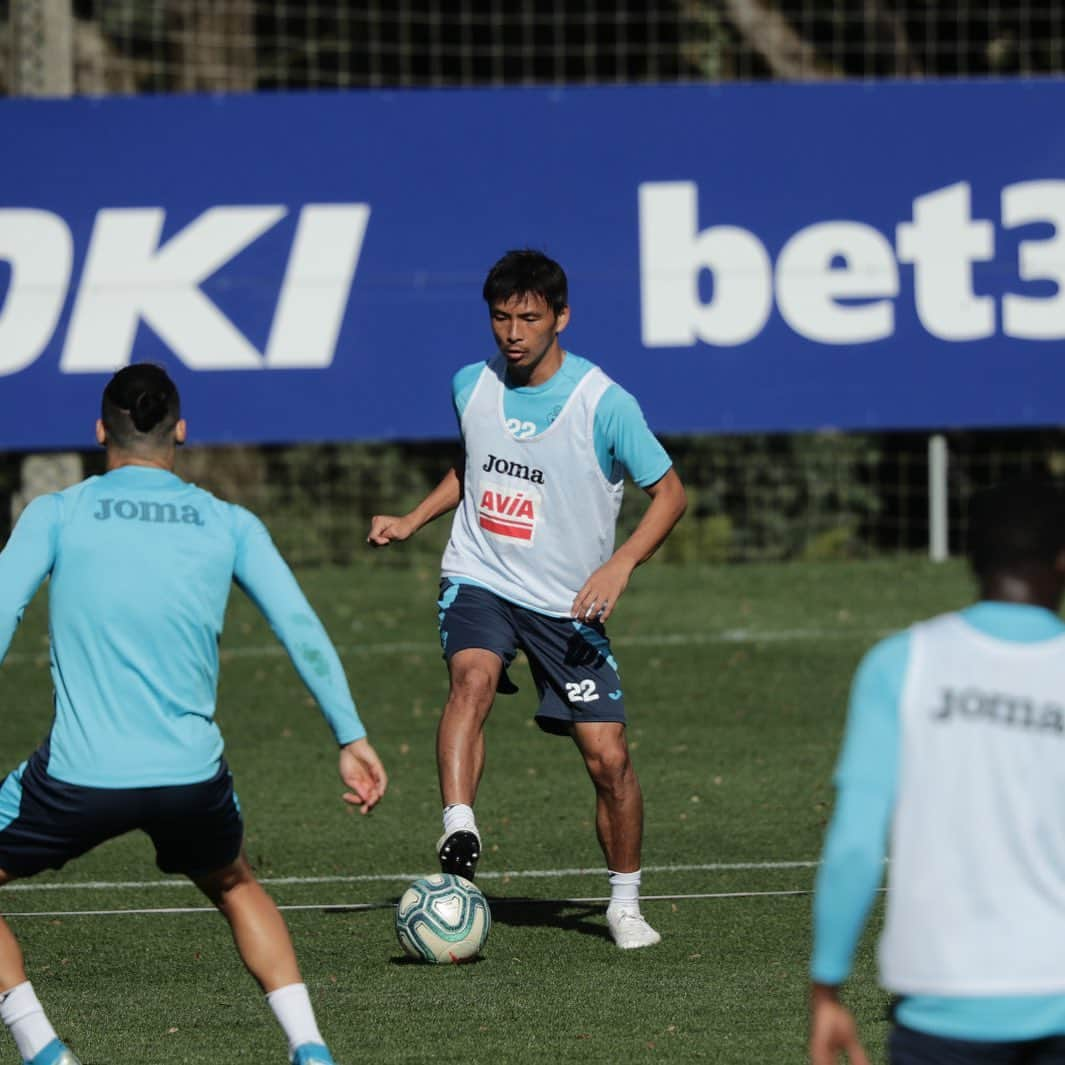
x: 442, y: 919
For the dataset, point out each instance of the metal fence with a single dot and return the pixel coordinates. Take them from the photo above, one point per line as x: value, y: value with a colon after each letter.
x: 755, y: 497
x: 241, y: 45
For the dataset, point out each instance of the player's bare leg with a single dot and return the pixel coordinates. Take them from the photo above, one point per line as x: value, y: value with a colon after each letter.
x: 460, y: 737
x: 12, y: 967
x: 619, y: 801
x: 265, y: 947
x: 20, y: 1010
x: 259, y: 930
x: 619, y: 826
x: 460, y: 755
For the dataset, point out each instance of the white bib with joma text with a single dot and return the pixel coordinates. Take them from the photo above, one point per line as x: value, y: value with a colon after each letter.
x: 537, y: 516
x: 976, y: 896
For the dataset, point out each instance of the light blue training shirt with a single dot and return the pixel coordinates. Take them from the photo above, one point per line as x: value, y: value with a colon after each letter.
x: 141, y: 565
x: 852, y: 864
x: 623, y: 441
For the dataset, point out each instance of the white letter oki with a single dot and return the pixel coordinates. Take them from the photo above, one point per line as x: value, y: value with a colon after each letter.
x: 942, y: 242
x: 318, y: 280
x: 40, y: 250
x: 128, y: 276
x: 673, y: 253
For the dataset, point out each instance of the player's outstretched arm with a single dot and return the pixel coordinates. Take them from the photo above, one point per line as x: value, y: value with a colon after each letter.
x: 387, y: 528
x: 25, y: 561
x: 363, y: 774
x: 605, y: 586
x: 832, y: 1029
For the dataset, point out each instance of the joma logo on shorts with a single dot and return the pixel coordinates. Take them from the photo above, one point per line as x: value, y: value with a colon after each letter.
x: 1016, y: 711
x: 144, y: 510
x: 513, y: 469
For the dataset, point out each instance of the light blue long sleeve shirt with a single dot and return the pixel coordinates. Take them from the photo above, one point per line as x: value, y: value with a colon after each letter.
x: 852, y: 864
x: 141, y: 564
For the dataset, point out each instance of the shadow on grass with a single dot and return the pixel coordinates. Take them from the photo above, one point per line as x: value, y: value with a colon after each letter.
x: 565, y: 914
x: 553, y: 913
x: 406, y: 959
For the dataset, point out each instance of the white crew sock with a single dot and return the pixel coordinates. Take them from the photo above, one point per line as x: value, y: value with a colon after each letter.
x: 458, y: 817
x: 292, y: 1008
x: 624, y: 891
x: 25, y: 1020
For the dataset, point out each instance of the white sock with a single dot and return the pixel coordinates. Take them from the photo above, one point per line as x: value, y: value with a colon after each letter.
x: 292, y: 1008
x: 624, y: 891
x: 458, y: 817
x: 25, y: 1020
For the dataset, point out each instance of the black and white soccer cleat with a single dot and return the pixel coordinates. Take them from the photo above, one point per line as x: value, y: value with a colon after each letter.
x: 459, y: 853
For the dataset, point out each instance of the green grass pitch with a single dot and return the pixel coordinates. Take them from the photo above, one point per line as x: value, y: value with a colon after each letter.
x: 736, y: 681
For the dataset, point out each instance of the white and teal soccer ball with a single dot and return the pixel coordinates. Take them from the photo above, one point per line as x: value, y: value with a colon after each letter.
x: 442, y: 919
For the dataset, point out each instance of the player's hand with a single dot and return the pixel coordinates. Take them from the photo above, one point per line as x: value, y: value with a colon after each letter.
x: 832, y: 1030
x: 601, y: 591
x: 384, y: 528
x: 365, y: 776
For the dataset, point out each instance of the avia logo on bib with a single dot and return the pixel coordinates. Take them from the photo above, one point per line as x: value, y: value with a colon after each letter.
x: 509, y: 514
x: 132, y: 276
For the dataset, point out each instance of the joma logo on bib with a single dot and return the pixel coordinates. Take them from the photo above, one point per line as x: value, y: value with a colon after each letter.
x: 513, y: 469
x: 1000, y: 708
x: 509, y: 514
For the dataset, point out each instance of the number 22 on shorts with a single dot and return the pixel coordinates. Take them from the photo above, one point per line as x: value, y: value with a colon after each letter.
x: 581, y: 691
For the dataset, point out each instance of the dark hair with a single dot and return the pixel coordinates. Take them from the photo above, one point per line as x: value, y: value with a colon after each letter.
x: 140, y: 406
x: 1016, y: 524
x: 526, y: 272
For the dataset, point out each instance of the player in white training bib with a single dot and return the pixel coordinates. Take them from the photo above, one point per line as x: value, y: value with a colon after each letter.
x: 531, y: 564
x: 954, y: 766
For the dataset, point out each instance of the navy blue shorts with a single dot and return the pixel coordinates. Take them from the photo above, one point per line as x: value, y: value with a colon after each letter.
x: 574, y: 671
x: 44, y: 823
x: 909, y: 1047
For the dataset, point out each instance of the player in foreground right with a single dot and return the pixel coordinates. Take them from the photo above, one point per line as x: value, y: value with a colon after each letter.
x: 955, y: 744
x: 140, y: 566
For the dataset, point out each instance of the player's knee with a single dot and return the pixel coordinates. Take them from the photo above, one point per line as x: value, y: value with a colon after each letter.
x: 610, y: 767
x: 221, y: 883
x: 472, y: 688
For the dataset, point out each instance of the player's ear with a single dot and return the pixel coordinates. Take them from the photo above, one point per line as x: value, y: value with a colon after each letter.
x: 101, y: 433
x: 1059, y: 563
x: 181, y: 432
x: 562, y: 320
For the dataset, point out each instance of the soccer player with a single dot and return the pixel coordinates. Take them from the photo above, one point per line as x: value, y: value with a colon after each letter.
x: 955, y: 749
x: 140, y: 566
x: 547, y: 439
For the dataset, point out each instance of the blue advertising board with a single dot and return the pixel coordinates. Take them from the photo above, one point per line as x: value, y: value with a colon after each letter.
x: 742, y: 258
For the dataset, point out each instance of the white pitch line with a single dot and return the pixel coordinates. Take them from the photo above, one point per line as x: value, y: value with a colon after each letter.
x: 349, y: 907
x: 675, y: 639
x: 376, y: 878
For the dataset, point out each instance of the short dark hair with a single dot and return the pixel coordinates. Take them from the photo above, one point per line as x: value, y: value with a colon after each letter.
x: 140, y: 406
x: 1016, y: 524
x: 527, y: 272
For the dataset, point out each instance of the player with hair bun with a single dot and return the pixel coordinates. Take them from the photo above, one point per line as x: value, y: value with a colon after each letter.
x: 141, y: 564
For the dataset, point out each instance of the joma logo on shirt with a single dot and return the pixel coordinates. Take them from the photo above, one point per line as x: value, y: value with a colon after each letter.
x: 1016, y: 711
x: 145, y: 510
x: 513, y: 469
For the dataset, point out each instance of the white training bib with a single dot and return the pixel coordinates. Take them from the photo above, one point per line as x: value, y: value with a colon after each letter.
x: 976, y: 895
x: 537, y: 516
